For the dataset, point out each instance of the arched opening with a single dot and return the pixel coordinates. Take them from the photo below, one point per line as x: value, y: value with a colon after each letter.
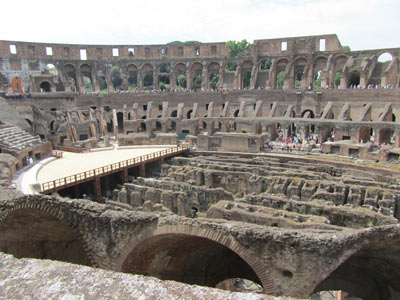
x: 37, y: 234
x: 180, y: 73
x: 213, y: 73
x: 366, y: 134
x: 189, y: 114
x: 372, y: 273
x: 143, y: 127
x: 354, y: 79
x: 116, y: 77
x: 102, y: 83
x: 158, y: 126
x: 148, y: 76
x: 386, y: 136
x: 174, y: 113
x: 197, y: 73
x: 236, y: 113
x: 299, y: 67
x: 164, y: 82
x: 132, y: 72
x: 71, y: 78
x: 45, y: 86
x: 188, y: 259
x: 86, y: 73
x: 319, y: 66
x: 120, y: 119
x: 378, y: 76
x: 246, y: 74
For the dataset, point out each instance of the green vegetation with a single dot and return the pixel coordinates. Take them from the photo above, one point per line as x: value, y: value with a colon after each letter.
x: 231, y: 66
x: 183, y: 43
x: 338, y: 76
x: 102, y: 83
x: 116, y: 79
x: 214, y: 82
x: 317, y: 79
x: 280, y: 79
x: 181, y: 82
x: 265, y: 65
x: 237, y: 47
x: 246, y: 79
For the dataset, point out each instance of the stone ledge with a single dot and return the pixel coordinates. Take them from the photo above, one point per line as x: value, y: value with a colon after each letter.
x: 45, y: 279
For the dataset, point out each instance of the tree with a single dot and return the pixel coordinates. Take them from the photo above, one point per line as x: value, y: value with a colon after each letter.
x: 237, y: 47
x: 231, y: 66
x: 181, y: 80
x: 214, y: 82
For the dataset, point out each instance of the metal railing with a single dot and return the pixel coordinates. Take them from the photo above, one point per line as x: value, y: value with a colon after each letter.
x: 111, y: 168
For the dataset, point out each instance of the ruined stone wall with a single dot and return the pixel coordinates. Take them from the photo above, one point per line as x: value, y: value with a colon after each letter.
x: 301, y: 58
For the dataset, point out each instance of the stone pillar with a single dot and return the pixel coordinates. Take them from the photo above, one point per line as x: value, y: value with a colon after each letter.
x: 139, y: 79
x: 189, y: 82
x: 253, y: 79
x: 221, y: 74
x: 204, y: 80
x: 156, y: 86
x: 173, y: 80
x: 109, y: 79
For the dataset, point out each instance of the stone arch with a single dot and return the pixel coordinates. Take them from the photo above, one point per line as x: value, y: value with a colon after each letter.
x: 281, y: 72
x: 245, y: 75
x: 365, y: 134
x: 86, y: 74
x: 45, y: 86
x: 70, y: 75
x: 147, y: 73
x: 319, y: 67
x: 370, y: 270
x: 180, y: 75
x: 132, y: 73
x: 386, y: 135
x: 353, y: 78
x: 24, y: 221
x: 213, y: 75
x: 196, y: 70
x: 299, y: 66
x: 192, y: 237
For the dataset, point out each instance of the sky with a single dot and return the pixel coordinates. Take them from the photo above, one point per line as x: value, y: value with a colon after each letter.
x: 359, y: 24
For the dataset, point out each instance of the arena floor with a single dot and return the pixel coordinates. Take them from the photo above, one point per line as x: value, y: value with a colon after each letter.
x: 73, y: 163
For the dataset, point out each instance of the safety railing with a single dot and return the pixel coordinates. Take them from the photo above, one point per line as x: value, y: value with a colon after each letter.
x: 88, y: 175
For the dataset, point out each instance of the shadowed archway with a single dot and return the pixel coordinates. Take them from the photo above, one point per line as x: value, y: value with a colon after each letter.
x: 33, y: 233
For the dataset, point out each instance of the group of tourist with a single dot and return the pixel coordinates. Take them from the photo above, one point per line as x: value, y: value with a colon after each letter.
x: 290, y: 143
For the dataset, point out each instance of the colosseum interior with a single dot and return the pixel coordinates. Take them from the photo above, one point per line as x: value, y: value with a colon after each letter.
x: 275, y: 172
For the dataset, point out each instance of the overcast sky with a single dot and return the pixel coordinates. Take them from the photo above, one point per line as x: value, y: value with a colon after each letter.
x: 360, y: 24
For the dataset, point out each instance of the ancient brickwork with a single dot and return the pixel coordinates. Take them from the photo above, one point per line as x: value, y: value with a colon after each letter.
x: 301, y: 59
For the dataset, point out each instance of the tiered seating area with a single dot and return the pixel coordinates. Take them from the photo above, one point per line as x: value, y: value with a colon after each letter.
x: 14, y: 138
